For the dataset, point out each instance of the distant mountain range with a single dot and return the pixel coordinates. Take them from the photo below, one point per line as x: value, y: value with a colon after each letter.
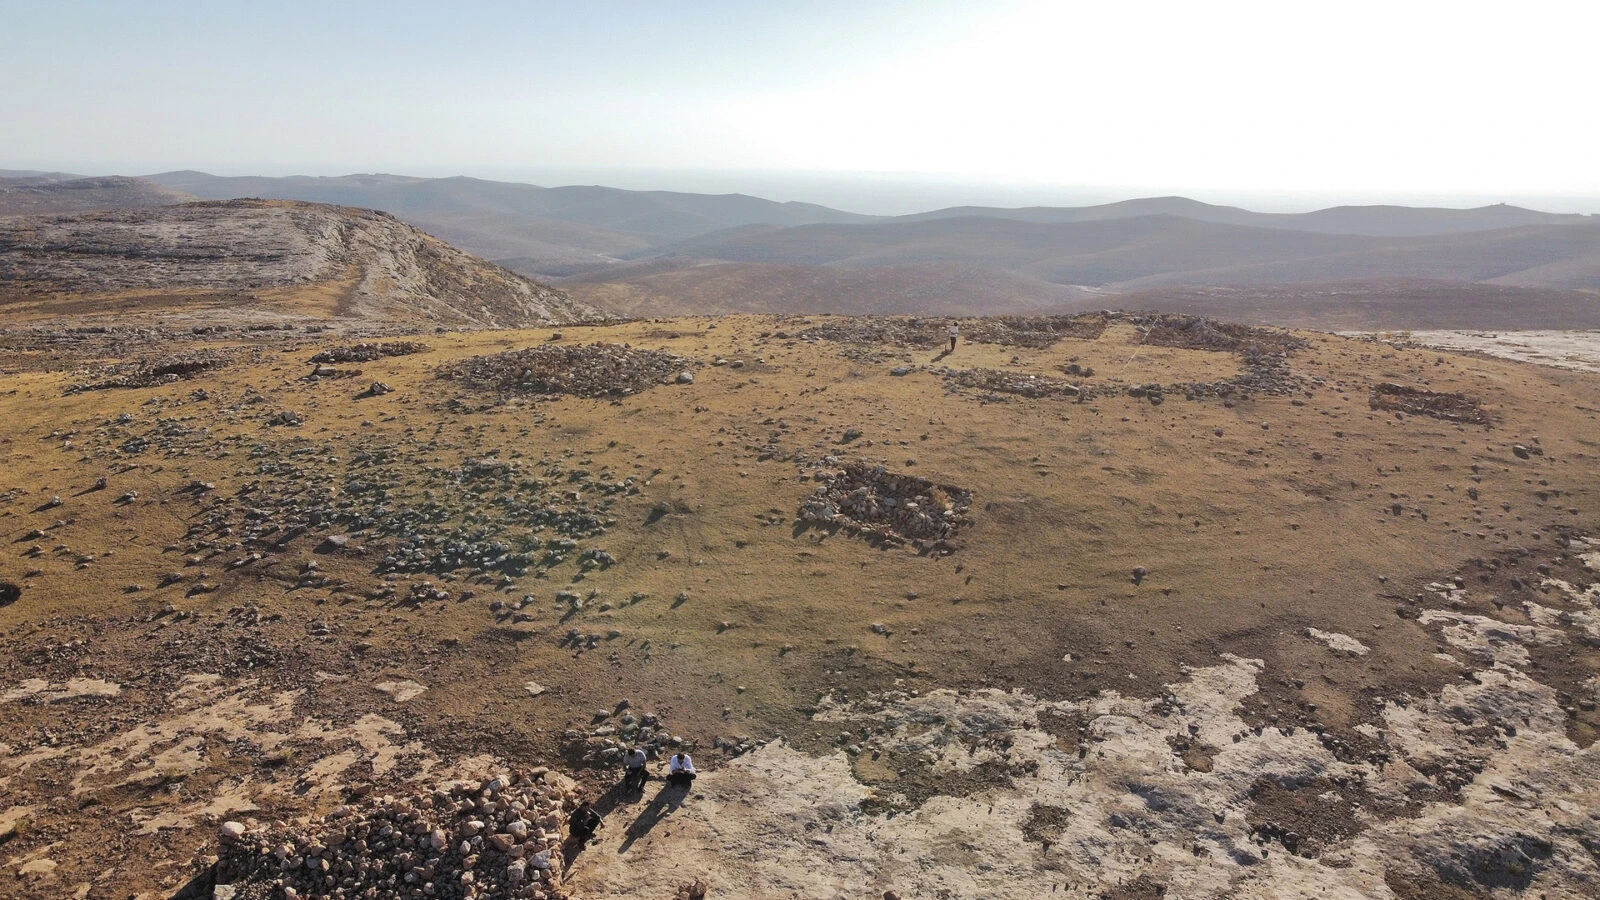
x: 663, y: 252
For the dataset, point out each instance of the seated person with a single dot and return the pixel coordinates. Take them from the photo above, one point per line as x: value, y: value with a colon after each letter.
x: 633, y: 770
x: 583, y: 824
x: 680, y: 770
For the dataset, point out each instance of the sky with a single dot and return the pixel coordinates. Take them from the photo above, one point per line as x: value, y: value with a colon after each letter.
x: 1310, y: 102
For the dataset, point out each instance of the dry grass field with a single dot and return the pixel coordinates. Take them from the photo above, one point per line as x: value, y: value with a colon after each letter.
x: 1178, y: 628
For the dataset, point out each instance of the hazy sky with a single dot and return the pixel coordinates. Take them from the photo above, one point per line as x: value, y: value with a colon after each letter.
x: 1359, y: 98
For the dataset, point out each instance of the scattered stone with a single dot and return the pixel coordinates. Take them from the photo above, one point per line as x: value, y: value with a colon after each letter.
x: 996, y: 383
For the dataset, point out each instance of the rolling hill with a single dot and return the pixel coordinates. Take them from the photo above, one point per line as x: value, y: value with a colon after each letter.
x: 44, y: 195
x: 1372, y: 221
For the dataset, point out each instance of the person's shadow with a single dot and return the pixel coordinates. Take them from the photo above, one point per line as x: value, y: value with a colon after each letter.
x: 660, y: 806
x: 942, y: 354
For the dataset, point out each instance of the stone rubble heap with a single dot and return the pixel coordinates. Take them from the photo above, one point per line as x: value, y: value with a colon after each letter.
x: 592, y: 370
x: 894, y: 507
x: 1418, y: 402
x: 367, y: 351
x: 1035, y: 331
x: 1266, y: 374
x: 1200, y: 333
x: 992, y: 381
x: 611, y: 731
x: 151, y: 372
x: 498, y: 838
x: 927, y: 333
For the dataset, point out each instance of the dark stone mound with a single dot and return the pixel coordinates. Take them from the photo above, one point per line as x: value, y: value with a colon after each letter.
x: 157, y: 371
x: 501, y: 838
x: 9, y: 593
x: 1200, y: 333
x: 592, y: 370
x: 367, y: 351
x: 871, y: 501
x: 1419, y: 402
x: 927, y: 333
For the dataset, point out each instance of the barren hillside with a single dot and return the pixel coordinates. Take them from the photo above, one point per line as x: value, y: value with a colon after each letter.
x: 1113, y: 605
x: 677, y: 286
x: 46, y: 196
x: 259, y: 259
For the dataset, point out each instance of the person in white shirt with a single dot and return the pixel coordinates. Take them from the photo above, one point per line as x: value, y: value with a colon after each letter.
x: 680, y: 770
x: 955, y: 332
x: 633, y: 770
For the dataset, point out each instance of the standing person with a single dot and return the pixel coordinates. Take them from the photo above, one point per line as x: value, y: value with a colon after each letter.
x: 955, y: 332
x: 680, y: 770
x: 633, y: 770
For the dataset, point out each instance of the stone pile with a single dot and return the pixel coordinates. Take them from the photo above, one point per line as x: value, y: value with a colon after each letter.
x: 1200, y: 333
x: 993, y: 382
x: 1451, y: 407
x: 591, y: 370
x: 1034, y: 331
x: 152, y: 372
x: 601, y: 745
x: 499, y: 838
x: 1263, y: 374
x: 870, y: 500
x: 927, y: 333
x: 367, y: 351
x: 913, y: 333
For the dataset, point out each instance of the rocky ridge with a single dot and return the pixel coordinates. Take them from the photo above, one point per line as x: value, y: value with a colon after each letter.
x: 248, y: 253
